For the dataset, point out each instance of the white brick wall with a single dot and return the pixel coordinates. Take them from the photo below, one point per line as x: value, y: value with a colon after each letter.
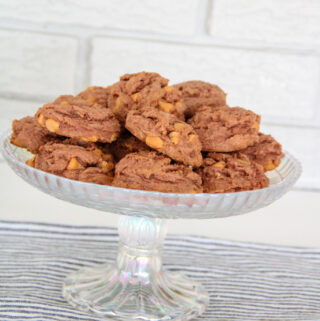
x: 15, y: 109
x: 274, y: 21
x: 36, y: 64
x: 157, y: 16
x: 265, y: 54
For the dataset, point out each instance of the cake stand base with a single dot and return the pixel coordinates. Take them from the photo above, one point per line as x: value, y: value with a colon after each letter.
x: 102, y: 291
x: 136, y: 288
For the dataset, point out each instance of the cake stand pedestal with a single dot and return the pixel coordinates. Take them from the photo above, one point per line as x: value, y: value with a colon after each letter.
x: 137, y: 287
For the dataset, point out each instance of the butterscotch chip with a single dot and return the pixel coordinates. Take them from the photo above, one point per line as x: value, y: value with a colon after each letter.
x: 77, y: 120
x: 84, y: 163
x: 159, y: 131
x: 234, y: 172
x: 30, y: 161
x: 73, y: 164
x: 51, y: 125
x: 40, y: 120
x: 196, y: 93
x: 154, y: 142
x: 267, y: 152
x: 154, y: 172
x: 225, y: 129
x: 126, y: 144
x: 144, y: 89
x: 27, y: 133
x: 175, y: 137
x: 96, y: 95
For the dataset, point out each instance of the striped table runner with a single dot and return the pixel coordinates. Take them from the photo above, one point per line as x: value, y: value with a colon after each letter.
x: 245, y: 281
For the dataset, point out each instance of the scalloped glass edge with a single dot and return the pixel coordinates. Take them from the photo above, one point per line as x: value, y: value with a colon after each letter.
x: 281, y: 179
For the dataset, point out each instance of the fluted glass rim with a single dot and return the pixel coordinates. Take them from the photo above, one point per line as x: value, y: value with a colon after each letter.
x: 288, y: 181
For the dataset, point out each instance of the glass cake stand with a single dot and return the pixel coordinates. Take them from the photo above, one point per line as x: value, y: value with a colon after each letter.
x: 137, y: 287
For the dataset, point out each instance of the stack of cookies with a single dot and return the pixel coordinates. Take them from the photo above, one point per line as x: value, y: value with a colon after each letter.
x: 141, y: 133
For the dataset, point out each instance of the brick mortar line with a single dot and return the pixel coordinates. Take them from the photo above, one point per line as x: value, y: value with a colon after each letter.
x: 317, y: 100
x: 202, y: 18
x: 25, y: 97
x: 312, y: 124
x: 292, y: 125
x: 201, y: 40
x: 82, y: 72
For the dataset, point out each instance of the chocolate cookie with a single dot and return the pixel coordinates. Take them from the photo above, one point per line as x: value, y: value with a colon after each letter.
x: 144, y: 89
x: 196, y: 93
x: 96, y: 95
x: 75, y: 120
x: 225, y: 129
x: 88, y: 164
x: 28, y: 134
x: 127, y: 144
x: 154, y: 172
x: 166, y: 134
x: 267, y: 152
x: 225, y: 173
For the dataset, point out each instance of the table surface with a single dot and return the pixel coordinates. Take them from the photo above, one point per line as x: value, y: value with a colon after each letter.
x: 245, y: 281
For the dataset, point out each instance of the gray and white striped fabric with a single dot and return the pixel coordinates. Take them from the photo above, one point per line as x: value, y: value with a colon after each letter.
x: 245, y: 281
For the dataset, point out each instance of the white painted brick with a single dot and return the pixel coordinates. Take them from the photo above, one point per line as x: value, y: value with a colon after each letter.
x: 302, y: 143
x: 160, y: 16
x: 15, y: 109
x: 273, y: 21
x: 281, y: 87
x: 37, y: 64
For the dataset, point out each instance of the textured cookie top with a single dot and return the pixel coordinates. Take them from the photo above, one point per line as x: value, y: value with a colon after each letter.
x: 144, y: 89
x: 28, y: 134
x: 95, y: 175
x: 57, y: 157
x: 223, y: 173
x: 96, y: 95
x: 153, y: 171
x: 267, y: 152
x: 166, y: 134
x: 73, y: 100
x: 75, y: 120
x: 225, y: 129
x: 196, y: 93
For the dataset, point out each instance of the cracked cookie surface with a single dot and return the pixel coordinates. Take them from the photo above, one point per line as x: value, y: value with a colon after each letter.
x: 155, y: 172
x: 166, y: 134
x: 88, y: 164
x: 267, y: 152
x: 234, y: 172
x: 75, y: 120
x: 225, y: 129
x: 96, y: 95
x: 197, y: 93
x: 144, y: 89
x: 27, y: 133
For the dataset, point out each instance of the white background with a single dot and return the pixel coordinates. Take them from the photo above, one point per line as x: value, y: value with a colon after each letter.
x: 264, y: 54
